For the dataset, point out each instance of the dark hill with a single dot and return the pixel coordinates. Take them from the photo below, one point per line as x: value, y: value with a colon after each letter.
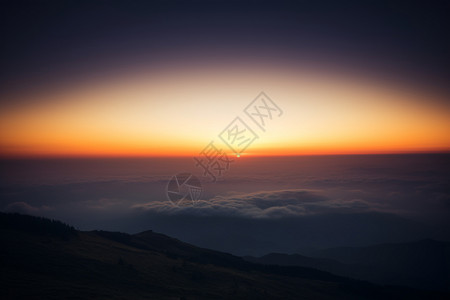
x: 423, y: 264
x: 37, y: 264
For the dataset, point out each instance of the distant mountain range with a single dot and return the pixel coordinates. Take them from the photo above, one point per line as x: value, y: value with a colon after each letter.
x: 260, y: 236
x: 424, y: 264
x: 46, y: 259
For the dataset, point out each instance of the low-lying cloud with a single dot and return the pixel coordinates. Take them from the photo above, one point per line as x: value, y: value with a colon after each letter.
x: 264, y: 204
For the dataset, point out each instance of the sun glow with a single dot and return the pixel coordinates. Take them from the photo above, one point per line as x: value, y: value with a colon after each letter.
x: 178, y: 113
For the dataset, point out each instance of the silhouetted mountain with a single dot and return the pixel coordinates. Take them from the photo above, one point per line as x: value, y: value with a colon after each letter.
x: 297, y: 260
x: 256, y: 237
x: 424, y: 264
x: 113, y: 265
x: 36, y: 225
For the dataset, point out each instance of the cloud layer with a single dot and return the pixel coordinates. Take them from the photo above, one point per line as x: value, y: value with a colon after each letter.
x: 264, y: 204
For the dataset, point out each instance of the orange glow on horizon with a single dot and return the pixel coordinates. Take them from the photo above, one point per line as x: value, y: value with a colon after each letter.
x: 179, y: 113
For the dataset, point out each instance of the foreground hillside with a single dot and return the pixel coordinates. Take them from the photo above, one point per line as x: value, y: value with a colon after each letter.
x: 43, y: 259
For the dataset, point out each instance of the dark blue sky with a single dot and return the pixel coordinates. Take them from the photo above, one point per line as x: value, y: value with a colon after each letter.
x: 44, y: 42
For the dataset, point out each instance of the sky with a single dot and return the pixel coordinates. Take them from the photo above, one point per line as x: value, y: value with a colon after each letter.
x: 164, y: 78
x: 345, y: 107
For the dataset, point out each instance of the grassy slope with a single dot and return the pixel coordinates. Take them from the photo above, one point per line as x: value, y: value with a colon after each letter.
x: 82, y: 265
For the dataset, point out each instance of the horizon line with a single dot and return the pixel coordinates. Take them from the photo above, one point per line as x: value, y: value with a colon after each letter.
x: 242, y: 155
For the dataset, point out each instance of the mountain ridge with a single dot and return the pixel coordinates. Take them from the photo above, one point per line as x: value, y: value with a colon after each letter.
x: 112, y: 265
x: 420, y: 264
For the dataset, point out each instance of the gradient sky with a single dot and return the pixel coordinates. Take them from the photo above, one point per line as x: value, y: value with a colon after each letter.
x: 165, y: 78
